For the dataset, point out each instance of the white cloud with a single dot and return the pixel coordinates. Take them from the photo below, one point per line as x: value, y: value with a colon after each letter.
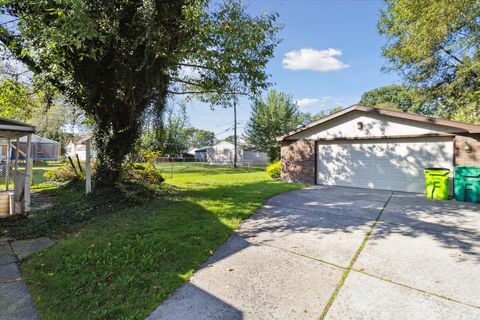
x: 306, y: 102
x: 322, y: 102
x: 311, y: 59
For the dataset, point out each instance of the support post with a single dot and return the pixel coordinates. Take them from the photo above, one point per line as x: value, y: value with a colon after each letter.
x: 88, y: 168
x: 7, y: 171
x: 29, y: 169
x: 17, y: 146
x: 235, y: 133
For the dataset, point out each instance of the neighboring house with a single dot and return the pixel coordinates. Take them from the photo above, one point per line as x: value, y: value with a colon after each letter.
x: 201, y: 153
x: 375, y: 148
x: 223, y: 154
x: 191, y: 151
x: 42, y: 148
x: 78, y: 147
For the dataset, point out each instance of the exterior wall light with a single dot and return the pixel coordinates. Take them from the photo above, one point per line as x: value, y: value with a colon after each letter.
x: 467, y: 147
x: 360, y: 125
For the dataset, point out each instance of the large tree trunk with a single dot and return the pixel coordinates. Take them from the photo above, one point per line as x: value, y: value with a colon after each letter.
x: 115, y: 138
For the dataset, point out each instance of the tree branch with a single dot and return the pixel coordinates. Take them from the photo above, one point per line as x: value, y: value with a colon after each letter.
x: 451, y: 55
x: 7, y: 40
x: 207, y: 91
x: 182, y: 64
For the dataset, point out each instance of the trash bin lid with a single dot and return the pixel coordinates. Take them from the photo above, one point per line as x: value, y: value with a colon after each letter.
x: 437, y: 171
x: 468, y: 171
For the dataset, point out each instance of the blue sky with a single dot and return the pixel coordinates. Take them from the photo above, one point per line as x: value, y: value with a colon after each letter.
x: 329, y: 56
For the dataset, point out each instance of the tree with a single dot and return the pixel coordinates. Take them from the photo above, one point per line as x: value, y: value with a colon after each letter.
x: 435, y: 46
x: 60, y: 121
x: 16, y: 101
x: 120, y: 60
x: 270, y: 118
x: 394, y: 97
x: 322, y: 114
x: 230, y: 138
x: 200, y: 138
x: 175, y: 135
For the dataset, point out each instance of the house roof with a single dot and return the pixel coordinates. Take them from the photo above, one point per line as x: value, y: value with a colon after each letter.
x: 204, y: 148
x: 10, y: 129
x: 81, y: 140
x: 462, y: 127
x: 39, y: 139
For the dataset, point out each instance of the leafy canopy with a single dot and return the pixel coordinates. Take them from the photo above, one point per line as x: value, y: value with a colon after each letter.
x: 434, y: 44
x: 395, y: 97
x: 120, y: 60
x: 271, y: 117
x: 16, y: 101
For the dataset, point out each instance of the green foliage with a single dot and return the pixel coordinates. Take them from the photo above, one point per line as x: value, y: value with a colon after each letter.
x: 394, y: 97
x: 58, y: 120
x: 435, y: 46
x: 270, y: 118
x: 174, y: 136
x: 64, y: 173
x: 71, y: 209
x: 120, y: 60
x: 16, y: 101
x: 230, y: 138
x: 199, y: 138
x: 274, y: 169
x: 322, y: 114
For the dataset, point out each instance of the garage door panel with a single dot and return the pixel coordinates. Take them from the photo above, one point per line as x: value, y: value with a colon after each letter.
x: 382, y: 164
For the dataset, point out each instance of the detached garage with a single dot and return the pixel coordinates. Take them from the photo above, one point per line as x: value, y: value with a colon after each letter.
x: 375, y: 148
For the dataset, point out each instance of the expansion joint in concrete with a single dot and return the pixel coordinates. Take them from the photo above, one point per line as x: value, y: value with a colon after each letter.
x: 353, y: 260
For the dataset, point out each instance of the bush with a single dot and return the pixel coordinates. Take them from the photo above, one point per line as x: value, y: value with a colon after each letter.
x: 61, y: 174
x: 274, y: 169
x: 144, y: 172
x: 67, y: 173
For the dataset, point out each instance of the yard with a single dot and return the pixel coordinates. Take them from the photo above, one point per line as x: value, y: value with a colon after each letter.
x: 124, y: 261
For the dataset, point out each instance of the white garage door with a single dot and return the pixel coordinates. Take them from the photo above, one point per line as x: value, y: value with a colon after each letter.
x: 382, y: 164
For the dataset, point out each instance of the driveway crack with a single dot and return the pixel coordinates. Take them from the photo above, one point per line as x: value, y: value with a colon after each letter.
x: 353, y: 260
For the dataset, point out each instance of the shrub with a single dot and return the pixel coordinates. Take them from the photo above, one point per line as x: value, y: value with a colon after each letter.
x: 274, y: 169
x: 67, y: 173
x: 63, y: 173
x: 146, y: 172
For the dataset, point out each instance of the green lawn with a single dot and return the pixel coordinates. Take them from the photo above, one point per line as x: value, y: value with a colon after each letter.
x: 38, y: 174
x: 123, y: 263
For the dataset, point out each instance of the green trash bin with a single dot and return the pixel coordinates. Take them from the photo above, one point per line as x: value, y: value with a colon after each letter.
x: 467, y: 183
x: 436, y: 183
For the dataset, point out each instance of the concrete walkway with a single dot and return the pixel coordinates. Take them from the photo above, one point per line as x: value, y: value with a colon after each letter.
x: 341, y: 253
x: 15, y: 300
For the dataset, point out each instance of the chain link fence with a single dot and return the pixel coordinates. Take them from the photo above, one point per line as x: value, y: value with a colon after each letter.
x: 39, y: 169
x: 169, y: 167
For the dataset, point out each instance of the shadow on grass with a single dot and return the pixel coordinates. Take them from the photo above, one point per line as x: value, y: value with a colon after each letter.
x: 70, y: 209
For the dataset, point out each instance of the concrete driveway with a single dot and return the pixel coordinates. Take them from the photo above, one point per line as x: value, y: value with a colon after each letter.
x: 341, y: 253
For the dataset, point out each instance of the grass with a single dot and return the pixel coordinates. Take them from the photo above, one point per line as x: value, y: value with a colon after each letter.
x: 124, y: 262
x: 38, y: 177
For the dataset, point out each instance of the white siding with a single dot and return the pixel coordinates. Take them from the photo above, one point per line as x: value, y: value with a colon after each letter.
x: 373, y: 125
x: 223, y: 154
x: 382, y: 164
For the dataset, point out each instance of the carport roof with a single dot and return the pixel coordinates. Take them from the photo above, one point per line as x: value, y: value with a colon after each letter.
x: 463, y: 127
x: 10, y: 129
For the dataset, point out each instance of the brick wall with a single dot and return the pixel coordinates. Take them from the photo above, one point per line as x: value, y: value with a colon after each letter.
x: 463, y: 158
x: 298, y: 161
